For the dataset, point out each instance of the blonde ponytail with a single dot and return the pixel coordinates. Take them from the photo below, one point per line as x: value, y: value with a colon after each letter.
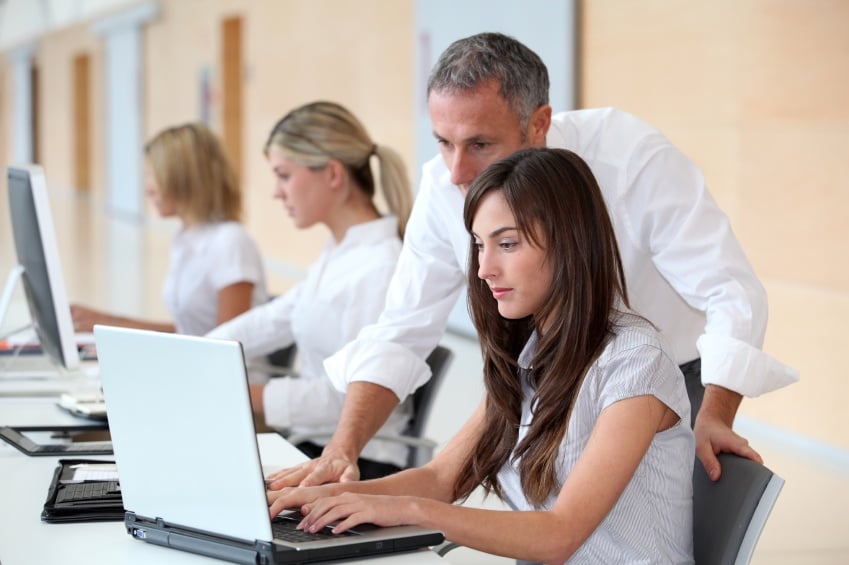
x: 395, y: 184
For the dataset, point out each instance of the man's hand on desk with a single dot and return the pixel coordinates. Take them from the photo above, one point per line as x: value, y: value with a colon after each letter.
x: 328, y: 468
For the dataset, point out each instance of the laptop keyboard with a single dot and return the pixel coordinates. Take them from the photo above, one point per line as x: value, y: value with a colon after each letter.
x: 88, y: 491
x: 284, y: 528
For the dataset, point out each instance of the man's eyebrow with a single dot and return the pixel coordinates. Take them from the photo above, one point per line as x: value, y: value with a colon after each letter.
x: 477, y: 138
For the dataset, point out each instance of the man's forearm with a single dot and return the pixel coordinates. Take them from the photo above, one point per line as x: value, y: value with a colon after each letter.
x: 366, y: 408
x: 720, y: 403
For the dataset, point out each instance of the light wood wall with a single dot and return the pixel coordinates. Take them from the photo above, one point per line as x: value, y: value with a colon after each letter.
x: 757, y: 92
x: 359, y: 54
x: 54, y: 59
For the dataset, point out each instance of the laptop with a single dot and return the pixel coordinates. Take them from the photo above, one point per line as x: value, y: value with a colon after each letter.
x: 188, y: 464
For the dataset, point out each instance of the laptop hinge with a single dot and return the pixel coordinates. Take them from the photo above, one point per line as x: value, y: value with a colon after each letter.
x: 159, y: 533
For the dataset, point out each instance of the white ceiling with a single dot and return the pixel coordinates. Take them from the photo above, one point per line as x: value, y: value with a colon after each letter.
x: 22, y: 22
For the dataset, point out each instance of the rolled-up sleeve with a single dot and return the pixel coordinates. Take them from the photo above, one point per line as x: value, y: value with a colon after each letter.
x: 736, y: 365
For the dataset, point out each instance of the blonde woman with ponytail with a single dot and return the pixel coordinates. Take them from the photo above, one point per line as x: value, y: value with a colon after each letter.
x: 324, y: 163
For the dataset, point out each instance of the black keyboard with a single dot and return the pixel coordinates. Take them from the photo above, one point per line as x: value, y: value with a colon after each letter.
x: 98, y: 490
x: 283, y: 528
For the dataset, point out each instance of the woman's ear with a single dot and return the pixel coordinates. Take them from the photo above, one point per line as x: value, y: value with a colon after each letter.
x: 336, y: 173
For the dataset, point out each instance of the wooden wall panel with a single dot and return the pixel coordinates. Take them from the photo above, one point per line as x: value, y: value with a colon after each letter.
x: 757, y: 93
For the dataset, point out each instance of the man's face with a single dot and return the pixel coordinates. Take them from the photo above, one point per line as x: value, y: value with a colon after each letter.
x: 476, y: 128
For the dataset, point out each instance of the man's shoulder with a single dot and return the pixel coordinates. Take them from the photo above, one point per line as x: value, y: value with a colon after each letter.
x: 598, y: 119
x: 604, y: 135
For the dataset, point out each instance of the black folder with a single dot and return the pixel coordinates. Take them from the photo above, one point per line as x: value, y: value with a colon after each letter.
x: 73, y: 500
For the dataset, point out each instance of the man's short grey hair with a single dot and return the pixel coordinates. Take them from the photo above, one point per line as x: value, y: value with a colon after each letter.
x: 476, y: 60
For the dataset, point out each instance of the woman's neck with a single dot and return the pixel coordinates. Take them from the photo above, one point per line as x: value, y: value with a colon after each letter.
x: 351, y: 214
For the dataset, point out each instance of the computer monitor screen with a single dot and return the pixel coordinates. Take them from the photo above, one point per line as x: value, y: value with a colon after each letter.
x: 38, y: 254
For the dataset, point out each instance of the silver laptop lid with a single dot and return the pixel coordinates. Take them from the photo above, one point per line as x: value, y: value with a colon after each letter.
x: 181, y: 454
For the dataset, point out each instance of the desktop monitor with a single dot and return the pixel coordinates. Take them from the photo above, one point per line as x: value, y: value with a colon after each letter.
x: 39, y: 267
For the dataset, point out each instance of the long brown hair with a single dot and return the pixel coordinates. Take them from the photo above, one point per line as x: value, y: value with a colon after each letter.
x: 558, y: 207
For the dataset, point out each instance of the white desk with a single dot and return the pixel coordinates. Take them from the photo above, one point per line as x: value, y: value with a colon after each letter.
x: 26, y: 540
x: 32, y: 376
x: 40, y: 411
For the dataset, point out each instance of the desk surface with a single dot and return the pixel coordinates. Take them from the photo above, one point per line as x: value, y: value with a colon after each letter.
x: 26, y: 540
x: 40, y: 411
x: 32, y: 376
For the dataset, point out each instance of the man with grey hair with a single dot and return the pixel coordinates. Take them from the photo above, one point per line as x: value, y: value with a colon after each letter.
x: 685, y: 271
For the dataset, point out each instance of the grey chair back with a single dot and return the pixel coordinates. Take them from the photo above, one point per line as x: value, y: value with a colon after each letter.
x: 423, y: 399
x: 438, y: 361
x: 282, y: 359
x: 729, y: 515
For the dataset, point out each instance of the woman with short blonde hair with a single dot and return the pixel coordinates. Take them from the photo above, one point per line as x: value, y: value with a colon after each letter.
x: 216, y: 270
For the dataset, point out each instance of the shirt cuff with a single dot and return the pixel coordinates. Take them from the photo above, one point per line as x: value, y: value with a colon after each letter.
x: 736, y: 365
x: 386, y: 364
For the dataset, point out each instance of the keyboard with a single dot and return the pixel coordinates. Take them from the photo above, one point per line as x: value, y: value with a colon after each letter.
x: 95, y: 491
x: 283, y: 528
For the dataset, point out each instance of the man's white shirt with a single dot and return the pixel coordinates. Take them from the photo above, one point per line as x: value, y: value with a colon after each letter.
x: 684, y: 269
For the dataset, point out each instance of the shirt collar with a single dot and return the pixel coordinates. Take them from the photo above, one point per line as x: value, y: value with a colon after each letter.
x: 526, y: 357
x: 374, y: 231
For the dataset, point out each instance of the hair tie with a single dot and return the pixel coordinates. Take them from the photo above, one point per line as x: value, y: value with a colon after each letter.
x: 373, y: 150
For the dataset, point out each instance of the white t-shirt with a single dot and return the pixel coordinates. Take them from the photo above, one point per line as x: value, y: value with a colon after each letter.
x: 344, y: 290
x: 652, y: 522
x: 205, y: 259
x: 683, y: 266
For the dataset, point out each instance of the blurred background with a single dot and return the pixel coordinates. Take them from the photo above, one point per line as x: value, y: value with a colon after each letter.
x: 755, y: 91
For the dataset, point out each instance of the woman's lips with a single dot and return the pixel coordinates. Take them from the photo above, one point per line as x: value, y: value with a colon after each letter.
x: 499, y: 293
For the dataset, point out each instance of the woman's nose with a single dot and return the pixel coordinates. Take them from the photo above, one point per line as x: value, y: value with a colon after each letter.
x: 485, y: 266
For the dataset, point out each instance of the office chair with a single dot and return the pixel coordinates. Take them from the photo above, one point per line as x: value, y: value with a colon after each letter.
x: 278, y: 363
x: 729, y: 515
x: 420, y: 448
x: 282, y: 359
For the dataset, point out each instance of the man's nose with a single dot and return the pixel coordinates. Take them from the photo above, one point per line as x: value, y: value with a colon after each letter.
x: 463, y: 169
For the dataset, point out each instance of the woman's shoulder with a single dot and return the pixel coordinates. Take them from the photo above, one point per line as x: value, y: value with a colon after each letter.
x: 228, y: 233
x: 636, y: 355
x: 633, y: 332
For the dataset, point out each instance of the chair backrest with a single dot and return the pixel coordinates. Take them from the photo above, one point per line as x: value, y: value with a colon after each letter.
x: 729, y: 515
x: 438, y: 361
x: 283, y: 358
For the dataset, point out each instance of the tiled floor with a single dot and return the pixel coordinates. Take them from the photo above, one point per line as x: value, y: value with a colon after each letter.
x: 119, y: 265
